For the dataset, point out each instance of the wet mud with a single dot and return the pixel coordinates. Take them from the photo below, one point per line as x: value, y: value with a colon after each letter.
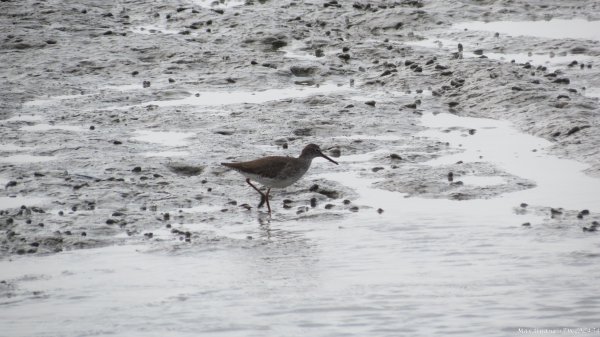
x: 116, y: 116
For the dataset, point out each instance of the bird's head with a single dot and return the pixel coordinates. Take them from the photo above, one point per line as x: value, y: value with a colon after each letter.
x: 313, y: 151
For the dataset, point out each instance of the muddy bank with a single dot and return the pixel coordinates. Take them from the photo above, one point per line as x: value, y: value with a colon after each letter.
x: 113, y: 115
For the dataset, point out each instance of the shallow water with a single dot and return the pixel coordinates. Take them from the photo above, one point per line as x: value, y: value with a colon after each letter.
x: 210, y: 98
x: 219, y: 3
x: 48, y: 127
x: 551, y: 61
x: 559, y: 181
x: 552, y: 29
x: 165, y: 138
x: 423, y: 266
x: 18, y: 201
x: 51, y: 100
x: 25, y: 158
x: 592, y: 92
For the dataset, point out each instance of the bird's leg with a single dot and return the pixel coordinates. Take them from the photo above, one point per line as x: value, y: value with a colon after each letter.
x: 267, y: 198
x: 262, y: 195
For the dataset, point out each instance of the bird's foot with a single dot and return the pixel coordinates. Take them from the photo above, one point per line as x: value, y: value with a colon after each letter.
x: 262, y: 201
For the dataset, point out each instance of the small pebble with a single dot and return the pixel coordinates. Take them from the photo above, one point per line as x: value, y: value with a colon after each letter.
x: 313, y: 202
x: 527, y: 224
x: 379, y: 210
x: 524, y: 205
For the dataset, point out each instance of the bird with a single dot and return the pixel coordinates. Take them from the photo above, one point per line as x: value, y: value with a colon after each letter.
x: 277, y: 171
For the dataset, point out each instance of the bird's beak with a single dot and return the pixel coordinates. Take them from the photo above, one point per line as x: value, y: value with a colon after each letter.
x: 331, y: 160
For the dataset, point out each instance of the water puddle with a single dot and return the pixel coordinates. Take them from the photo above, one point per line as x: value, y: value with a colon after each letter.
x: 26, y: 158
x: 371, y: 137
x: 550, y: 60
x: 391, y: 96
x: 165, y: 138
x: 48, y: 127
x: 219, y: 3
x: 552, y: 29
x: 52, y: 100
x: 18, y: 201
x: 167, y: 154
x: 25, y: 118
x: 298, y: 50
x: 123, y: 87
x: 13, y: 148
x: 560, y: 182
x: 3, y: 181
x: 592, y: 92
x: 215, y: 98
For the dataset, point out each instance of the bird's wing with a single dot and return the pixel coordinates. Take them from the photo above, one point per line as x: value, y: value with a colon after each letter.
x: 268, y: 167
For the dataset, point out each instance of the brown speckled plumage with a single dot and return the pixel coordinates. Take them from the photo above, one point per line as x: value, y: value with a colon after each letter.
x: 277, y: 171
